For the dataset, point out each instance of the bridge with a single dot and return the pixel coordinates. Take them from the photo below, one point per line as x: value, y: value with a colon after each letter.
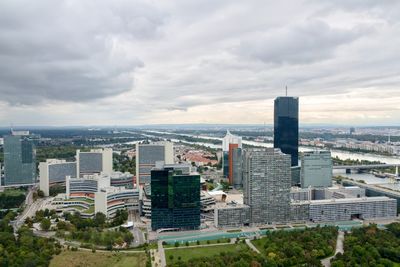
x: 369, y: 166
x: 348, y: 168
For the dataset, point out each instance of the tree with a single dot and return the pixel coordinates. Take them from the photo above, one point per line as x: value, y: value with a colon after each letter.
x: 40, y: 193
x: 45, y: 224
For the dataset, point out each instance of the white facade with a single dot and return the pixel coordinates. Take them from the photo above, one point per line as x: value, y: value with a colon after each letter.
x: 54, y: 170
x: 230, y: 139
x: 111, y: 199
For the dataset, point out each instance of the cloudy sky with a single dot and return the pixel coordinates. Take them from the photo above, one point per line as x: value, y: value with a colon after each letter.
x: 101, y: 62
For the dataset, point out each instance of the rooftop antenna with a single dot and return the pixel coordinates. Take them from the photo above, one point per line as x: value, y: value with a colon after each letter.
x: 286, y: 90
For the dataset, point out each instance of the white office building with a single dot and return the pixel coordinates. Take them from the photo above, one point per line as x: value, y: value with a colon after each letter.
x: 55, y: 171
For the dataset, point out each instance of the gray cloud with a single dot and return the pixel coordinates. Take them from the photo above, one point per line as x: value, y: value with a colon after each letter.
x: 70, y: 50
x: 131, y: 61
x: 309, y: 42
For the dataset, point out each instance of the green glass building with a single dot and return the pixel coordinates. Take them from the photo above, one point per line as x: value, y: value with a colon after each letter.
x: 19, y: 160
x: 175, y: 199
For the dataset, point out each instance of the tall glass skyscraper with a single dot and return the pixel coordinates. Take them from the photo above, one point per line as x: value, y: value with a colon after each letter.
x: 19, y: 159
x: 175, y: 199
x: 286, y: 126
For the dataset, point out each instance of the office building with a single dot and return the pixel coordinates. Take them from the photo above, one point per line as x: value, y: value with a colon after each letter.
x: 286, y: 126
x: 19, y: 159
x: 122, y: 179
x: 94, y: 161
x: 236, y: 167
x: 175, y: 199
x: 344, y: 209
x: 109, y: 200
x: 316, y: 169
x: 231, y: 215
x: 266, y: 185
x: 94, y: 193
x: 231, y: 147
x: 146, y: 157
x: 55, y: 171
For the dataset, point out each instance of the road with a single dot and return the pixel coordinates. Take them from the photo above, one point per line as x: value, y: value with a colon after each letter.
x: 138, y: 237
x: 29, y: 211
x: 339, y: 249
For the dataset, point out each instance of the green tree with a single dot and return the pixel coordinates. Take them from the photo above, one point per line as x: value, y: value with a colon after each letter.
x: 45, y: 224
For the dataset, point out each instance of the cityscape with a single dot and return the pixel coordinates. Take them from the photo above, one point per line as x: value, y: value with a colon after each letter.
x: 199, y: 134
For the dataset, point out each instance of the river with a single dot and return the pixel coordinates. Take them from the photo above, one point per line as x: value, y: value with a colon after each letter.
x: 335, y: 153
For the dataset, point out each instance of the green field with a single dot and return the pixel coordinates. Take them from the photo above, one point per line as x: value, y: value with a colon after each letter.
x: 98, y: 259
x: 190, y: 253
x: 203, y: 242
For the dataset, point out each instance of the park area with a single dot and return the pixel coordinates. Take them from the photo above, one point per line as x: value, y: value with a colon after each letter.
x: 185, y: 254
x: 98, y: 259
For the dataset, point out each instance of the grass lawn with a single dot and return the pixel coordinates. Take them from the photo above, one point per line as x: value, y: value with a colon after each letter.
x: 98, y: 259
x: 190, y: 253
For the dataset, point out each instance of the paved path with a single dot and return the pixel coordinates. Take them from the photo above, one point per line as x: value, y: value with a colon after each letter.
x: 339, y: 249
x: 159, y: 256
x: 200, y: 246
x: 252, y: 246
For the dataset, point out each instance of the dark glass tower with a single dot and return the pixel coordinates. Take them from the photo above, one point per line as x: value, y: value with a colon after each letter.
x: 286, y: 126
x: 175, y: 199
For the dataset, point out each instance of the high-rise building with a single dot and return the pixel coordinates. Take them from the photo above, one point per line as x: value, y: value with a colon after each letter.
x: 55, y: 171
x: 236, y: 167
x: 316, y: 169
x: 19, y: 159
x: 175, y: 199
x: 94, y: 161
x: 229, y: 144
x: 146, y: 157
x: 266, y: 185
x: 286, y: 126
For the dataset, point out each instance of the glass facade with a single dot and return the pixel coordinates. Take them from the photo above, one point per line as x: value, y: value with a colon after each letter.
x: 90, y: 162
x: 19, y: 160
x: 58, y: 172
x: 175, y: 200
x: 286, y: 126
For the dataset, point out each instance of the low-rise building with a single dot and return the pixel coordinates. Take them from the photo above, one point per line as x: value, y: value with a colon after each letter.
x: 231, y: 215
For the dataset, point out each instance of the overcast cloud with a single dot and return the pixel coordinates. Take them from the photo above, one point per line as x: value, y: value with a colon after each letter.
x: 100, y: 62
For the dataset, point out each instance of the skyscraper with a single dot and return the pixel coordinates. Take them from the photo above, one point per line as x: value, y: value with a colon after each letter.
x: 175, y: 199
x: 19, y: 159
x: 266, y: 185
x: 146, y: 157
x: 229, y: 144
x: 286, y: 126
